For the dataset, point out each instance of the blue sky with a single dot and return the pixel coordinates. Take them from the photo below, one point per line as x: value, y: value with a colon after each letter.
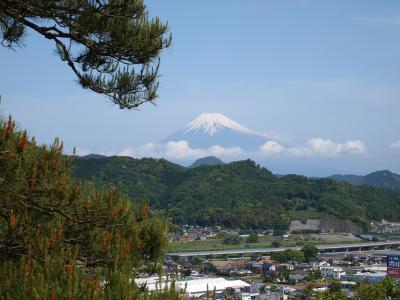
x: 302, y: 69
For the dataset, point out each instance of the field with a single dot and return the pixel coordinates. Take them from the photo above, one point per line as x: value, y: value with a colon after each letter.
x: 216, y: 243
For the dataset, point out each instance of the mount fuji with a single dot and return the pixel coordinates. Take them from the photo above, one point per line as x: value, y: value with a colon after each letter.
x: 210, y: 129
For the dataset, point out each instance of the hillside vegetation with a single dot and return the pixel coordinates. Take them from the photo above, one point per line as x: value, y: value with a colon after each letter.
x: 380, y: 179
x: 209, y: 161
x: 62, y: 239
x: 238, y: 194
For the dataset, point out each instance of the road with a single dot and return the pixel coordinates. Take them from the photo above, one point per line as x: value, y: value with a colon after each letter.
x: 352, y: 247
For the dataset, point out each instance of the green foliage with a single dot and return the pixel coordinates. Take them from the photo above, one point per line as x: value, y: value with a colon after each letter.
x: 334, y: 292
x: 288, y: 256
x: 62, y: 239
x: 310, y: 252
x: 314, y: 275
x: 350, y: 258
x: 232, y: 239
x: 334, y: 287
x: 150, y: 179
x: 308, y: 291
x: 112, y: 46
x: 253, y: 238
x: 276, y: 244
x: 240, y: 194
x: 209, y: 161
x: 331, y: 296
x: 385, y: 289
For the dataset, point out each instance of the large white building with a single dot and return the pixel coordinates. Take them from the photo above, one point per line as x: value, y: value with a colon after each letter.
x: 199, y: 287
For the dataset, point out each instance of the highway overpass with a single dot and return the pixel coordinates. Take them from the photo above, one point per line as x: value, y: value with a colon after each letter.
x: 331, y: 248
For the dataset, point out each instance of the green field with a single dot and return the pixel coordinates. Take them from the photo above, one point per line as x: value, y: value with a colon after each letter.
x: 216, y: 243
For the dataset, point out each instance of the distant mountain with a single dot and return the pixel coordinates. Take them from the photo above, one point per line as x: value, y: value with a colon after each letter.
x: 211, y: 129
x: 209, y: 161
x: 238, y: 194
x: 92, y: 155
x: 353, y: 179
x: 381, y: 179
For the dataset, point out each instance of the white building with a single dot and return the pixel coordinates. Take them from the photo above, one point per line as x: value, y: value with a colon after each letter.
x: 332, y: 272
x: 315, y: 265
x: 200, y: 286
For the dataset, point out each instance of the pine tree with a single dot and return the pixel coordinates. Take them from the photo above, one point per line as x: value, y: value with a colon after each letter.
x: 62, y: 239
x: 111, y: 45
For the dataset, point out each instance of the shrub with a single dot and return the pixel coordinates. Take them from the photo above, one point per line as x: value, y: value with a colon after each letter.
x: 65, y: 239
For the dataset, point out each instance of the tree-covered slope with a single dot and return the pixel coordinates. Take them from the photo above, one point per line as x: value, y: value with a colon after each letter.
x: 141, y: 179
x: 353, y: 179
x: 384, y: 179
x: 238, y: 194
x: 380, y: 179
x: 209, y: 161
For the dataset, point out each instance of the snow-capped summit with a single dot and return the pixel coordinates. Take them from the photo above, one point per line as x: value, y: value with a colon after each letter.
x: 212, y: 122
x: 209, y: 129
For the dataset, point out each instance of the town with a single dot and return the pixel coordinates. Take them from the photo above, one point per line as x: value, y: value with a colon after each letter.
x: 286, y: 273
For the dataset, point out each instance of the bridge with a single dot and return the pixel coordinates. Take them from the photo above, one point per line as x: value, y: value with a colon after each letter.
x: 332, y: 248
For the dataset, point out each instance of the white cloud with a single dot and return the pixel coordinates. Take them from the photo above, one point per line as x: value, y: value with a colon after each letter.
x: 82, y: 151
x: 271, y: 148
x: 326, y: 147
x: 219, y: 150
x: 314, y: 147
x: 147, y: 150
x: 299, y: 151
x: 180, y: 150
x: 354, y: 146
x: 395, y: 145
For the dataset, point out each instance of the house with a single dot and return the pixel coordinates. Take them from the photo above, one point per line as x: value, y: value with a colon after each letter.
x: 256, y: 257
x: 317, y: 265
x: 254, y: 266
x: 290, y: 267
x: 332, y: 272
x: 240, y: 272
x: 268, y: 266
x: 302, y: 266
x: 297, y: 276
x: 368, y: 275
x: 227, y: 267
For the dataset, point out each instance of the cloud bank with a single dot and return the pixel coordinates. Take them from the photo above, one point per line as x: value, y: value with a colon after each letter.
x: 315, y: 147
x: 182, y: 151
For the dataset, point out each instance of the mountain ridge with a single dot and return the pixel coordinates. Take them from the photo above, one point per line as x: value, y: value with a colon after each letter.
x: 238, y: 194
x: 208, y: 160
x: 381, y: 179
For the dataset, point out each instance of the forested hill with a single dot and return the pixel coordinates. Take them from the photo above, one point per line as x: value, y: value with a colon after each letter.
x: 381, y: 179
x: 237, y: 194
x: 209, y: 160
